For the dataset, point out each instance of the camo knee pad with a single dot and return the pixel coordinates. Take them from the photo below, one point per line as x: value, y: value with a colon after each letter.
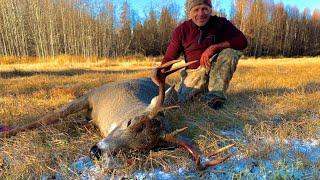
x: 210, y: 81
x: 222, y: 70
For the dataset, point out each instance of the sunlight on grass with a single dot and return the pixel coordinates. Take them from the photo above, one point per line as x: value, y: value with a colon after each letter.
x: 276, y: 98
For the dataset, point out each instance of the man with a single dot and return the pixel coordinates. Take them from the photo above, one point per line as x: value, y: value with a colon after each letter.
x: 214, y: 42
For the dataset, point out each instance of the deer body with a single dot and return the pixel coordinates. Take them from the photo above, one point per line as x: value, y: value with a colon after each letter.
x: 115, y: 104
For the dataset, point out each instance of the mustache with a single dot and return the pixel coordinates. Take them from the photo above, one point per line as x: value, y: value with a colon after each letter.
x: 202, y: 16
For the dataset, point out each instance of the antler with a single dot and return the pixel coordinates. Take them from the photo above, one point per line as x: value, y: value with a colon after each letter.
x: 159, y: 77
x: 202, y: 162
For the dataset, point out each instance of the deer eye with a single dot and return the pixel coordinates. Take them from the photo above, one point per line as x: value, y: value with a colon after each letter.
x: 140, y: 129
x: 129, y: 123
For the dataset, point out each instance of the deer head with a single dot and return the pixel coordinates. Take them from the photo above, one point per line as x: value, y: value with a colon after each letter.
x: 142, y: 132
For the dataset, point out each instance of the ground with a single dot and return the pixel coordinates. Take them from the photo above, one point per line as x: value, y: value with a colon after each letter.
x: 272, y: 115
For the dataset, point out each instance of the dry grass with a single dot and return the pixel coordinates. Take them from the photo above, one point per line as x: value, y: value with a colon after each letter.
x: 261, y: 91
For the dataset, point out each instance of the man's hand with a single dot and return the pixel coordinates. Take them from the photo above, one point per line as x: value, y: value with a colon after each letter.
x: 207, y: 54
x: 211, y: 50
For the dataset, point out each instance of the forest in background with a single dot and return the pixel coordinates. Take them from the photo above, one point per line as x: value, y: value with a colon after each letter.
x: 53, y: 27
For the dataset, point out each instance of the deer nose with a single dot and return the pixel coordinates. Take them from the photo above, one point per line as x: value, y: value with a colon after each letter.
x: 95, y: 152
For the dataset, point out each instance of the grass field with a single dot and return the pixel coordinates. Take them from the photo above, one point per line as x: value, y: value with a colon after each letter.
x: 268, y: 100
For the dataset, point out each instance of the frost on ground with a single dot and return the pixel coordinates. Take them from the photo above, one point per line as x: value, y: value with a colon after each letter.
x: 289, y: 158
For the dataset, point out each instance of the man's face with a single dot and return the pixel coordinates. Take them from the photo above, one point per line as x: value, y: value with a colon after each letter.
x: 200, y: 14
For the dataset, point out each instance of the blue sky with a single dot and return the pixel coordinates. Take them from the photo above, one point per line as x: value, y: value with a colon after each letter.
x: 143, y: 6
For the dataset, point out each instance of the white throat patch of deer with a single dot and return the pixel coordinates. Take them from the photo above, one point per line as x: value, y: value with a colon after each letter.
x: 129, y: 115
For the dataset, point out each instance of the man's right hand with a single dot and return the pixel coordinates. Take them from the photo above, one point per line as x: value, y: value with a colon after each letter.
x: 207, y: 54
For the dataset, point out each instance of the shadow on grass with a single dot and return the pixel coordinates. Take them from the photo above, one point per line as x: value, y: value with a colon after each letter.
x: 69, y: 72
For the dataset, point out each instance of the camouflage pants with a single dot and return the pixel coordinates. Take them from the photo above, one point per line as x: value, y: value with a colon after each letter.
x: 212, y: 81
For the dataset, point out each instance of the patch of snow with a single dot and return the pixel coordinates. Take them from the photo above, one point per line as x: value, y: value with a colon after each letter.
x: 309, y: 148
x: 283, y: 162
x: 84, y: 163
x: 235, y: 134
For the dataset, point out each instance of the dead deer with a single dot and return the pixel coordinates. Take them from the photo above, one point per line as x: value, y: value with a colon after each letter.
x: 126, y: 119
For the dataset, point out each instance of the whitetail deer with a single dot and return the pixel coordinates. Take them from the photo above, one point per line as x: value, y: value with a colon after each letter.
x: 126, y: 118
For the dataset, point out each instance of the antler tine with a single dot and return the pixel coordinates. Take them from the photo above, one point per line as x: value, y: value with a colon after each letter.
x: 174, y: 133
x: 214, y: 162
x: 169, y: 108
x: 167, y: 64
x: 203, y: 165
x: 179, y: 67
x: 162, y: 67
x: 220, y: 150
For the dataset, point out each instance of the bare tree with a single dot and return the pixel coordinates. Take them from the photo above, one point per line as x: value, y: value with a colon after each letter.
x: 125, y: 37
x: 150, y: 30
x: 315, y: 32
x: 166, y: 25
x: 138, y: 39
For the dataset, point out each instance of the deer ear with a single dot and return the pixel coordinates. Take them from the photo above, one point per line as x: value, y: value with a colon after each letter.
x: 170, y: 96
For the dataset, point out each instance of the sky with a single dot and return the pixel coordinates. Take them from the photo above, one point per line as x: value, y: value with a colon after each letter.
x: 143, y: 6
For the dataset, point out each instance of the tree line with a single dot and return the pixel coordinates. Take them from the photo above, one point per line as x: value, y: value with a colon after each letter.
x: 276, y: 30
x: 53, y: 27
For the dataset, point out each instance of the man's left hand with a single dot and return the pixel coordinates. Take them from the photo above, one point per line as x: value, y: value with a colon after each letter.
x: 207, y: 54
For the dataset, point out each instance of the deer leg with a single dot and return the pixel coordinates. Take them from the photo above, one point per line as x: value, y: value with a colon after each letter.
x: 52, y: 118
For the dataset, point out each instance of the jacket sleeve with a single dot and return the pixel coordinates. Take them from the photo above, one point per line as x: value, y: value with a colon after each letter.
x: 233, y: 35
x: 174, y: 48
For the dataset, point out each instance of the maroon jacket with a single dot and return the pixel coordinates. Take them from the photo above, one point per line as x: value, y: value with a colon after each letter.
x: 192, y: 40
